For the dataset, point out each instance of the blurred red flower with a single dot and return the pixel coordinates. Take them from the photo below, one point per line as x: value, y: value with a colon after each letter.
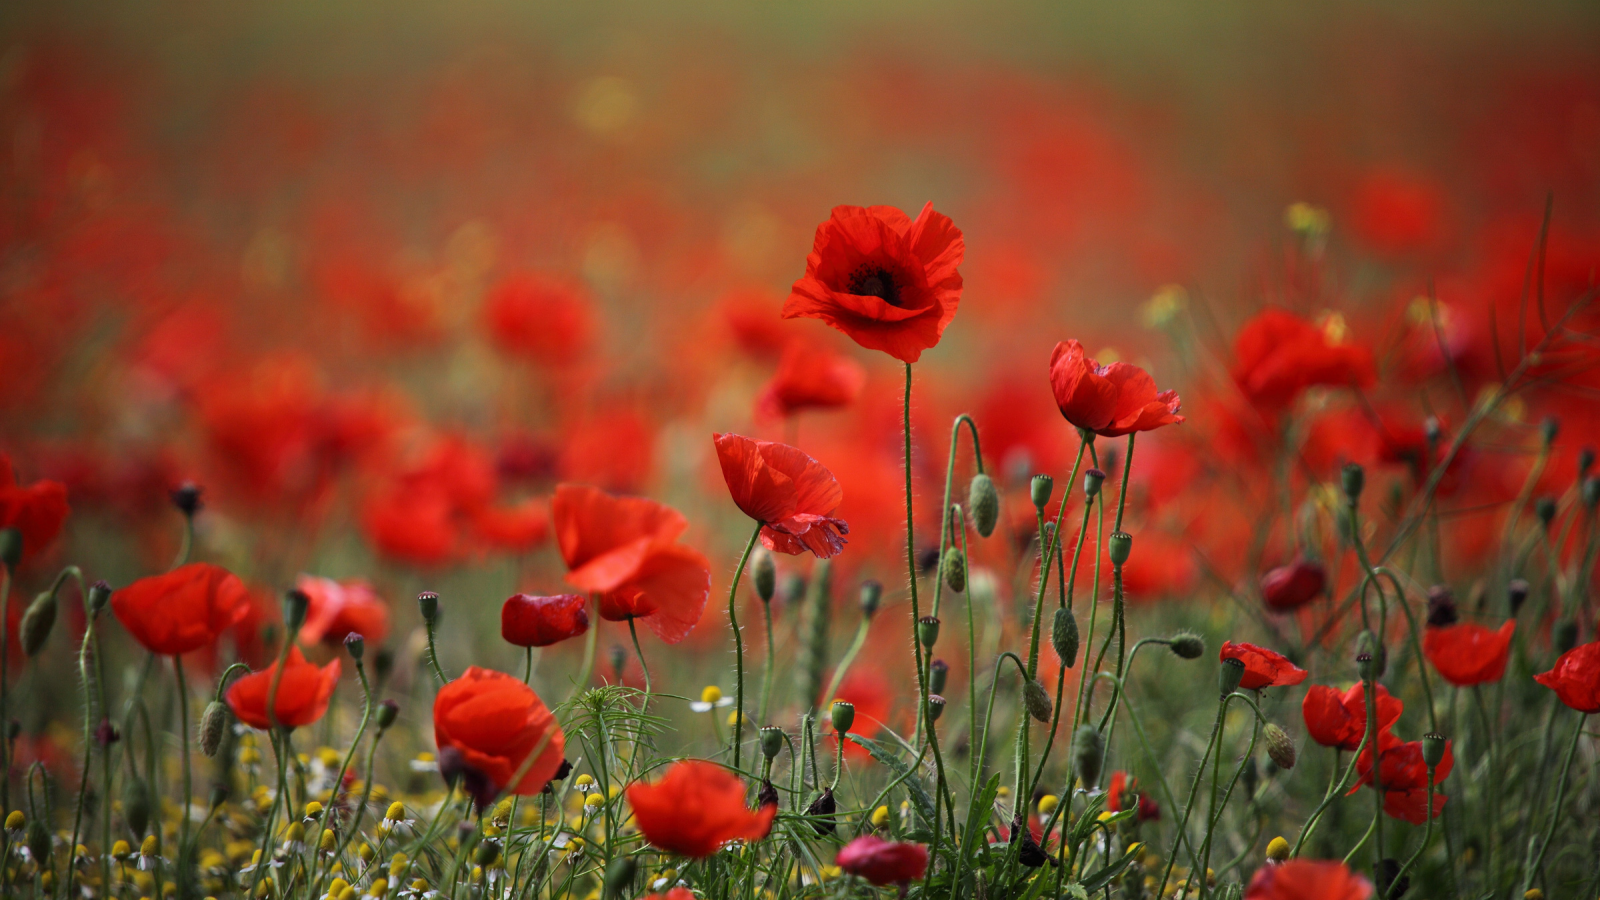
x: 1467, y: 653
x: 695, y: 808
x: 1396, y: 212
x: 1109, y: 400
x: 1262, y: 667
x: 1404, y: 777
x: 810, y: 377
x: 530, y: 621
x: 182, y: 610
x: 1122, y: 793
x: 1304, y: 879
x: 1335, y: 719
x: 539, y: 318
x: 303, y: 693
x: 625, y: 549
x: 890, y: 283
x: 37, y: 511
x: 1294, y: 585
x: 487, y: 724
x: 883, y: 862
x: 1576, y: 678
x: 791, y: 494
x: 677, y: 893
x: 1277, y: 355
x: 338, y: 609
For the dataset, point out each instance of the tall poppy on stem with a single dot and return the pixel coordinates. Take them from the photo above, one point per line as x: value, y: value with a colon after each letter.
x: 1110, y: 400
x: 495, y: 734
x: 1263, y: 668
x: 1335, y: 719
x: 1467, y: 653
x: 303, y: 693
x: 695, y: 808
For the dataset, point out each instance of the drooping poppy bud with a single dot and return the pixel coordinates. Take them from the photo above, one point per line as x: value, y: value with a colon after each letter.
x: 1064, y: 637
x: 1280, y: 748
x: 213, y: 722
x: 1353, y: 478
x: 983, y: 504
x: 136, y: 805
x: 1040, y: 489
x: 1088, y: 754
x: 1036, y: 699
x: 954, y: 569
x: 764, y: 573
x: 37, y: 622
x: 1188, y: 645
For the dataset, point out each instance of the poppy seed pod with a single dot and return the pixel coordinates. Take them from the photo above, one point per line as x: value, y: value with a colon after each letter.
x: 1037, y: 699
x: 1088, y: 753
x: 1188, y: 645
x: 954, y: 569
x: 1232, y: 674
x: 1353, y: 478
x: 213, y: 722
x: 1545, y: 509
x: 771, y: 741
x: 843, y: 715
x: 1064, y: 637
x: 10, y: 547
x: 871, y: 597
x: 356, y: 644
x: 1548, y: 429
x: 136, y: 805
x: 1092, y: 482
x: 388, y: 711
x: 938, y: 673
x: 1040, y: 489
x: 928, y: 631
x: 97, y: 598
x: 428, y: 605
x: 1120, y: 546
x: 936, y: 706
x: 983, y: 504
x: 764, y: 572
x: 1516, y: 595
x: 186, y: 497
x: 1433, y: 747
x: 1591, y: 492
x: 295, y: 604
x: 1280, y: 749
x: 37, y: 623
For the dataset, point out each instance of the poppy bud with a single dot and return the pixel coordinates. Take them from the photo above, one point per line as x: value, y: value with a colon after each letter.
x: 1433, y: 746
x: 954, y: 569
x: 383, y: 664
x: 1591, y: 493
x: 1036, y: 699
x: 928, y: 631
x: 388, y: 711
x: 1121, y: 546
x: 10, y: 547
x: 1367, y: 645
x: 295, y: 603
x: 1040, y: 489
x: 823, y: 808
x: 1548, y: 429
x: 938, y: 673
x: 488, y: 851
x: 1353, y: 478
x: 1441, y: 606
x: 106, y: 734
x: 936, y: 705
x: 1516, y: 595
x: 764, y: 572
x: 619, y: 876
x: 771, y: 741
x: 1545, y: 509
x: 356, y: 644
x: 1088, y: 752
x: 1280, y: 748
x: 767, y: 796
x: 1188, y: 645
x: 1564, y: 636
x: 1092, y: 480
x: 39, y: 843
x: 136, y: 805
x: 1064, y: 637
x: 791, y: 588
x: 213, y: 722
x: 96, y: 599
x: 871, y: 596
x: 428, y: 605
x: 1585, y: 461
x: 37, y: 622
x: 186, y: 497
x: 1232, y: 674
x: 983, y: 504
x: 843, y: 715
x: 1278, y: 849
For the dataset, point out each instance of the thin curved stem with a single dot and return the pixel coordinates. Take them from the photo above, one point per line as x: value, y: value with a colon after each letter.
x: 738, y: 646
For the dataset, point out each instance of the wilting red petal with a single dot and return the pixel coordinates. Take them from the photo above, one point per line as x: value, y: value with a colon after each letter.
x: 530, y: 621
x: 303, y: 693
x: 1262, y: 667
x: 790, y: 493
x: 695, y: 808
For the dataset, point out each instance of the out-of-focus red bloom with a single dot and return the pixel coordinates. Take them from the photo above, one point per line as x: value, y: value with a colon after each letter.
x: 695, y: 808
x: 530, y: 621
x: 1122, y: 793
x: 539, y: 318
x: 1403, y: 775
x: 182, y: 610
x: 1335, y: 719
x: 514, y: 529
x: 1576, y: 678
x: 1109, y: 400
x: 866, y: 688
x: 487, y: 724
x: 625, y: 549
x: 752, y: 314
x: 338, y: 609
x: 1305, y: 879
x: 677, y: 893
x: 1467, y: 653
x: 1277, y: 355
x: 791, y: 494
x: 1396, y: 213
x: 810, y: 377
x: 37, y: 511
x: 883, y: 862
x: 1293, y: 586
x: 1262, y: 667
x: 303, y: 693
x: 890, y: 283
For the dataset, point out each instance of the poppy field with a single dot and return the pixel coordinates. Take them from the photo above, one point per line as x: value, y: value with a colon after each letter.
x: 508, y: 452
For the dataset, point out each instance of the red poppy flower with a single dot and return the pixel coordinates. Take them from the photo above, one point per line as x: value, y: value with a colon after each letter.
x: 810, y: 377
x: 1404, y: 777
x: 890, y: 283
x: 790, y: 493
x: 515, y: 529
x: 625, y: 550
x: 1305, y: 879
x: 1293, y: 586
x: 1467, y: 653
x: 1335, y: 719
x: 1122, y: 793
x: 337, y: 610
x: 883, y: 862
x: 1277, y: 355
x: 677, y: 893
x: 1262, y: 667
x: 303, y: 693
x: 1108, y: 400
x: 695, y: 808
x: 37, y: 511
x: 1576, y: 678
x: 181, y: 610
x: 486, y: 724
x: 529, y: 621
x: 539, y: 318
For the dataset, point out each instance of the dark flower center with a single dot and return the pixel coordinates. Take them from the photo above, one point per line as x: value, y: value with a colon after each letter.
x: 875, y: 281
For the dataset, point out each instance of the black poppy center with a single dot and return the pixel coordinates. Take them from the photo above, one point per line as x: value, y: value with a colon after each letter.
x: 875, y: 281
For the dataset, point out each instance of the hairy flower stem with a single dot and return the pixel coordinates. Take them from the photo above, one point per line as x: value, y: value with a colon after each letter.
x: 1530, y: 869
x: 184, y: 738
x: 86, y: 677
x: 845, y: 662
x: 767, y: 666
x: 1427, y: 836
x: 945, y: 534
x: 1194, y: 788
x: 338, y: 782
x: 738, y: 646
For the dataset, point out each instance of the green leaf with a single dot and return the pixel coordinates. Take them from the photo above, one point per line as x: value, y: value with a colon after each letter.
x: 913, y: 785
x: 1103, y: 877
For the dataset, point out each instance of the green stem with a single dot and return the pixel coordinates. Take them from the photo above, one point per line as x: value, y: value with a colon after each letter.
x: 767, y: 666
x: 738, y: 645
x: 1531, y: 871
x: 949, y: 477
x: 1194, y: 788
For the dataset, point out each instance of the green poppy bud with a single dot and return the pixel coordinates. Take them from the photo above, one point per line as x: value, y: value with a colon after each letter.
x: 1037, y: 699
x: 136, y: 805
x: 37, y: 623
x: 1188, y: 645
x: 1040, y: 489
x: 871, y: 597
x: 39, y: 843
x: 213, y: 722
x: 771, y: 741
x: 1548, y: 429
x: 954, y: 569
x: 487, y: 852
x: 928, y: 631
x: 1591, y: 492
x: 388, y: 711
x: 1353, y: 478
x: 295, y: 603
x: 428, y: 605
x: 938, y: 673
x: 356, y: 644
x: 1433, y: 747
x: 1064, y: 637
x: 1120, y: 547
x: 983, y: 504
x: 1280, y: 748
x: 764, y: 572
x: 1088, y: 753
x: 1545, y: 509
x: 1232, y: 673
x: 10, y: 547
x: 843, y: 715
x: 1093, y: 480
x: 99, y: 594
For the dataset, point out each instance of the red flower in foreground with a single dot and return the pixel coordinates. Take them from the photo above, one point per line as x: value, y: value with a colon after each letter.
x: 529, y: 621
x: 1293, y: 586
x: 338, y: 610
x: 303, y: 693
x: 791, y: 494
x: 696, y: 808
x: 883, y: 862
x: 486, y: 724
x: 1277, y: 355
x: 890, y: 283
x: 1109, y: 400
x: 182, y: 610
x: 37, y: 511
x: 1262, y: 667
x: 1304, y: 879
x: 1576, y: 678
x: 1340, y: 720
x: 625, y: 549
x: 809, y: 377
x: 1467, y: 653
